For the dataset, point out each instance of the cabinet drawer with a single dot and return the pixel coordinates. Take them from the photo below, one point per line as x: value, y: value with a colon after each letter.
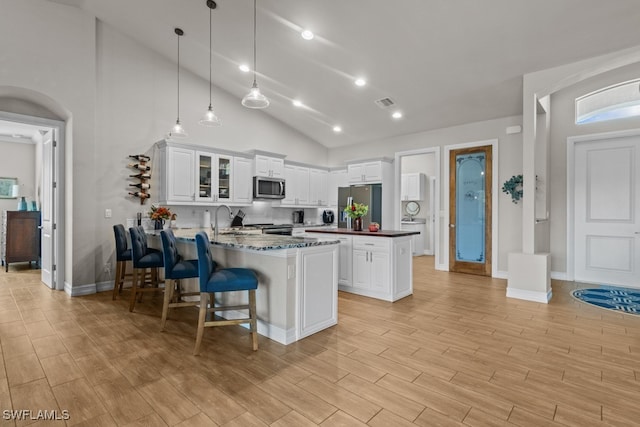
x: 371, y: 243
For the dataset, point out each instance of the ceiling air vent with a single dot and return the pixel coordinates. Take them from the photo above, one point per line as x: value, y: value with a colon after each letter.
x: 385, y: 102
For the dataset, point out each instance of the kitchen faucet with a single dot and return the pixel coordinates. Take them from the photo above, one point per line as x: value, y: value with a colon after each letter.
x: 215, y: 229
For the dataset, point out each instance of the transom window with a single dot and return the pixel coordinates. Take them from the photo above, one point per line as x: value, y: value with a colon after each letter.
x: 610, y: 103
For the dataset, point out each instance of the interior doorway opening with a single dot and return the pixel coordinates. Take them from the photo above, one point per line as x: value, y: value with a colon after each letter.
x: 44, y: 189
x: 417, y: 201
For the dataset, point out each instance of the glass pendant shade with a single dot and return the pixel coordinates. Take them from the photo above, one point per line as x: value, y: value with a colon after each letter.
x: 177, y: 131
x: 209, y: 118
x: 255, y: 99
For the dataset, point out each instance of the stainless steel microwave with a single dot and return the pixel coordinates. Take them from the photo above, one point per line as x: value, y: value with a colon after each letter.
x: 268, y: 188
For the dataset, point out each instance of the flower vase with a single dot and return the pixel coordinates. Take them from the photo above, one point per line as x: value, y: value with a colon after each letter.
x: 158, y: 224
x: 357, y: 224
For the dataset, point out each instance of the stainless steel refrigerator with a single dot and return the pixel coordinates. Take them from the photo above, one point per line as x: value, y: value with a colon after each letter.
x: 369, y: 194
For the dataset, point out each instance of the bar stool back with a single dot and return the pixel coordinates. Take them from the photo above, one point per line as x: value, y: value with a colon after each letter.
x: 123, y: 254
x: 143, y: 258
x: 175, y: 269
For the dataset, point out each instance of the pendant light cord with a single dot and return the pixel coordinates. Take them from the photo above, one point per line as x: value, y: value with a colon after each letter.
x: 178, y: 112
x: 210, y: 43
x: 254, y: 42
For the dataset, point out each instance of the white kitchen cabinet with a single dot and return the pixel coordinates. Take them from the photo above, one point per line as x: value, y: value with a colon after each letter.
x: 412, y: 186
x: 191, y: 175
x: 371, y: 265
x: 242, y: 180
x: 417, y: 240
x: 337, y: 178
x: 365, y: 173
x: 345, y: 260
x: 270, y: 167
x: 317, y: 290
x: 296, y: 186
x: 177, y: 175
x: 318, y: 187
x: 213, y: 177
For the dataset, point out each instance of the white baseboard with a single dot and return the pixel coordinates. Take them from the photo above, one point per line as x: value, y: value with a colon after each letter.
x: 543, y: 297
x: 104, y: 286
x: 559, y: 275
x: 500, y: 274
x: 76, y: 291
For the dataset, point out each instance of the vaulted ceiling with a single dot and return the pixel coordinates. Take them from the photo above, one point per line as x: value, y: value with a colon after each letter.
x: 443, y: 62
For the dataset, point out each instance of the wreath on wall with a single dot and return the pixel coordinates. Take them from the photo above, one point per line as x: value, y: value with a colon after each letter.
x: 513, y: 187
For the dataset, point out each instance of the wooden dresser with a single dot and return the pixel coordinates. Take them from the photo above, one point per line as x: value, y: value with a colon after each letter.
x: 20, y: 237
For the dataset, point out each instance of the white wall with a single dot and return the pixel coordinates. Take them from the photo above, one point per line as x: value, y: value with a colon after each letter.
x: 510, y: 163
x: 48, y: 49
x: 17, y: 160
x: 563, y: 126
x: 118, y: 98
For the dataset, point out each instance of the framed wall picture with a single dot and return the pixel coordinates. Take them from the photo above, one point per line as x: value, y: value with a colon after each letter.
x: 6, y: 187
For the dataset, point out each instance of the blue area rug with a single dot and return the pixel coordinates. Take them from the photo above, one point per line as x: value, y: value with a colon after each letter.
x: 611, y: 297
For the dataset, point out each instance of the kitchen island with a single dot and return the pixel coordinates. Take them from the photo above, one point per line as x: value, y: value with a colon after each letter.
x: 375, y: 264
x: 297, y: 291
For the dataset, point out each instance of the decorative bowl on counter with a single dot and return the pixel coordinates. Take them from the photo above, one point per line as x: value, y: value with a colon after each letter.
x: 374, y: 226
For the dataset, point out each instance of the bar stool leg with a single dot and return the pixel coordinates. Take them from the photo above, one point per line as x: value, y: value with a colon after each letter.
x: 204, y: 302
x: 117, y: 282
x: 134, y: 288
x: 168, y: 295
x: 254, y: 319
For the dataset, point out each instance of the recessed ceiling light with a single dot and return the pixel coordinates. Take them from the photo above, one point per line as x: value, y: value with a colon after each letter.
x: 307, y: 35
x: 360, y: 82
x: 397, y: 115
x: 337, y: 129
x: 297, y: 103
x: 244, y: 68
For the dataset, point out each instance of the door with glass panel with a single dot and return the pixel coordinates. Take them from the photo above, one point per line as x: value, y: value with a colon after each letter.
x: 470, y: 210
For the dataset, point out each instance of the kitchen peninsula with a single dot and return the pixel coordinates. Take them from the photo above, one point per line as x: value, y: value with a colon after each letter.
x: 298, y: 278
x: 374, y: 264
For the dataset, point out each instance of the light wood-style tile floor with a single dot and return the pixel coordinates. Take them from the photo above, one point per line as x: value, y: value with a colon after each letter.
x: 456, y: 353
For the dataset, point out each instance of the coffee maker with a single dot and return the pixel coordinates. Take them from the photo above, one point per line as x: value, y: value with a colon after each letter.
x: 298, y: 217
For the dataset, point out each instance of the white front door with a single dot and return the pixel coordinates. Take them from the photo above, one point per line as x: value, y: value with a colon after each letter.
x: 47, y: 210
x: 607, y: 211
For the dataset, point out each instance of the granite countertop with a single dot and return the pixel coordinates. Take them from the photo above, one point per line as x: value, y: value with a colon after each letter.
x: 366, y: 232
x: 256, y: 242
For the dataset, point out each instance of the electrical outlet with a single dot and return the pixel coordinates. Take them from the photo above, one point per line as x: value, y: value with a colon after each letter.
x: 107, y: 269
x: 107, y: 213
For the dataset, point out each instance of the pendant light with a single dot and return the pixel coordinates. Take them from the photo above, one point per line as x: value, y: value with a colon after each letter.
x: 254, y: 99
x: 210, y: 118
x: 178, y: 131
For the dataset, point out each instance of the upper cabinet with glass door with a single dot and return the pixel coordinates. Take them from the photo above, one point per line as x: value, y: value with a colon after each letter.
x: 192, y: 175
x: 204, y: 165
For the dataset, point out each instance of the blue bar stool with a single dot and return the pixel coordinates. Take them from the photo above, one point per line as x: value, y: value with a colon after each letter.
x: 175, y: 269
x: 123, y: 254
x: 223, y: 280
x: 143, y: 257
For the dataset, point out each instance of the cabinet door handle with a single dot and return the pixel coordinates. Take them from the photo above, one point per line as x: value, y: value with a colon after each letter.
x: 369, y: 244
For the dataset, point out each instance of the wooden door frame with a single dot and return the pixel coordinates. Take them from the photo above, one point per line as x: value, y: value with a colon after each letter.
x: 571, y: 209
x: 494, y: 201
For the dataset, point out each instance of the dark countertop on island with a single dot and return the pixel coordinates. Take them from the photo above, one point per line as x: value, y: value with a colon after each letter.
x: 365, y: 232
